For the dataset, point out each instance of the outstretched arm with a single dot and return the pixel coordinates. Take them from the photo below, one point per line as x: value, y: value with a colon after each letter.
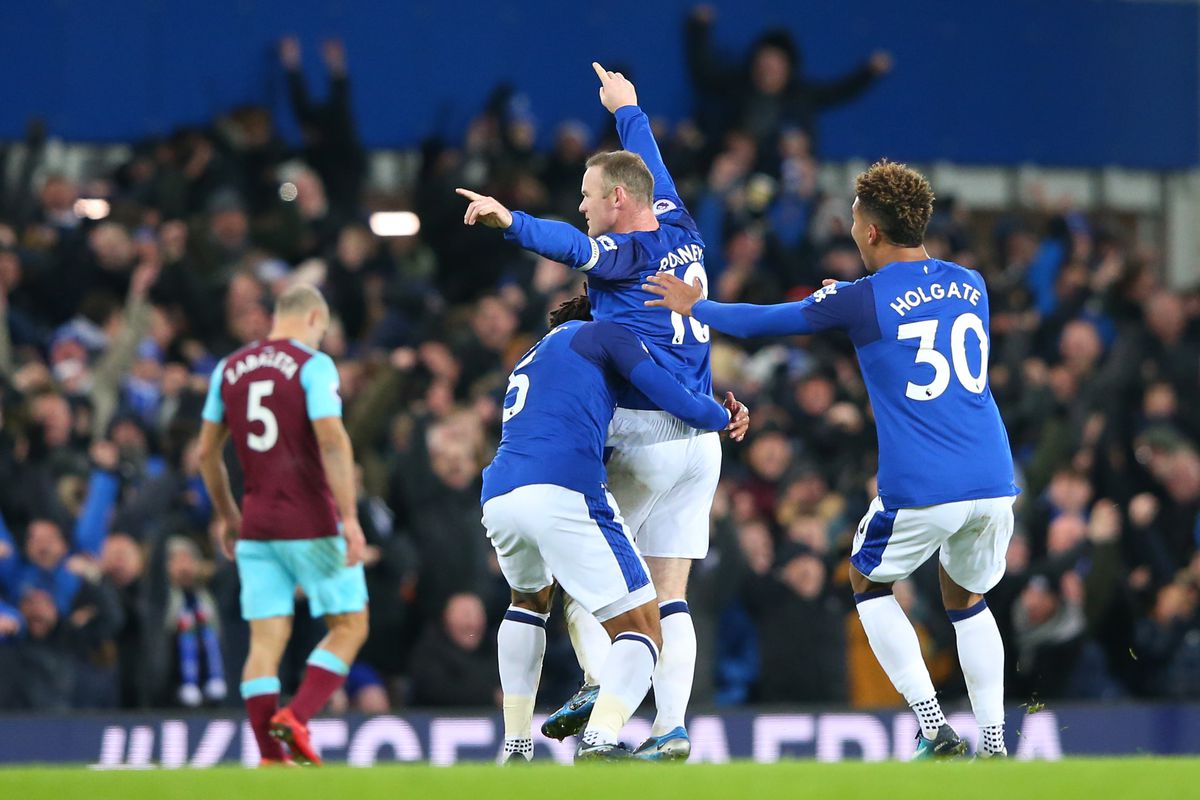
x: 619, y: 96
x: 612, y: 347
x: 844, y: 89
x: 602, y: 257
x: 710, y: 73
x: 289, y: 56
x: 745, y: 320
x: 701, y: 412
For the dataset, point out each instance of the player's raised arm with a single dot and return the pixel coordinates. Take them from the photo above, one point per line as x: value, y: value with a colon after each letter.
x: 619, y: 96
x: 846, y: 306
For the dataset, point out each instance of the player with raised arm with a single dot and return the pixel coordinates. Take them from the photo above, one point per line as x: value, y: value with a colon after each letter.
x: 550, y: 517
x: 279, y: 401
x: 664, y: 473
x: 920, y: 328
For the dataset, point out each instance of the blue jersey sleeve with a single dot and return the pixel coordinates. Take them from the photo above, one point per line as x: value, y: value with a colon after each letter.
x: 610, y: 257
x: 214, y: 406
x: 614, y: 347
x: 842, y: 306
x: 633, y: 126
x: 319, y: 377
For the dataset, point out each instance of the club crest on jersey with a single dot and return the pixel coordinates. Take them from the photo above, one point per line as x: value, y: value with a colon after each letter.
x: 824, y: 292
x: 688, y: 254
x: 663, y: 205
x: 607, y: 243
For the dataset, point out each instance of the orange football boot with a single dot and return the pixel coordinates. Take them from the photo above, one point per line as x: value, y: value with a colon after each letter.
x: 289, y: 730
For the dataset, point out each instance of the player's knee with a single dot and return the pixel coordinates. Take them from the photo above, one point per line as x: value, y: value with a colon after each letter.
x: 859, y: 582
x: 538, y: 602
x: 645, y: 620
x: 670, y: 577
x: 353, y: 628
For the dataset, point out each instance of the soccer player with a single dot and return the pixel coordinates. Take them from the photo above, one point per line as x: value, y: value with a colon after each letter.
x: 920, y: 328
x: 550, y: 517
x: 663, y: 472
x: 279, y: 400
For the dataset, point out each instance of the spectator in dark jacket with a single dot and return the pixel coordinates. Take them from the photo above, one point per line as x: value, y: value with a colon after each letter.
x: 454, y: 664
x: 770, y: 93
x: 331, y: 142
x: 801, y: 631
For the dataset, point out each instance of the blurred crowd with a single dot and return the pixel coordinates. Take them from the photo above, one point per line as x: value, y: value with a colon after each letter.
x: 112, y: 595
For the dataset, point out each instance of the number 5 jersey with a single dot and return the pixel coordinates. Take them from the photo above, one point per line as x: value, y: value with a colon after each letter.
x: 268, y: 394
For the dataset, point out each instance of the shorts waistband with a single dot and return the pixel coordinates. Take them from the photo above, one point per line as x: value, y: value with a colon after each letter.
x: 643, y: 426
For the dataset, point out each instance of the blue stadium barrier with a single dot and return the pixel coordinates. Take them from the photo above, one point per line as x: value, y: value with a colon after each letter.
x: 155, y: 741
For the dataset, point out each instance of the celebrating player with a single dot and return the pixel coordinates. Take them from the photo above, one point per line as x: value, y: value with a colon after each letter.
x: 550, y: 517
x: 279, y: 399
x: 663, y: 472
x: 920, y: 328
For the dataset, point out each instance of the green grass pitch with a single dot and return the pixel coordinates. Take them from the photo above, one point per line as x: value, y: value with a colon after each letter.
x: 1094, y: 779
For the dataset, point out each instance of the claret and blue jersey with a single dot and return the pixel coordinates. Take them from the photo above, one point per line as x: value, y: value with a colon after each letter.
x: 561, y: 398
x: 616, y: 265
x: 921, y: 332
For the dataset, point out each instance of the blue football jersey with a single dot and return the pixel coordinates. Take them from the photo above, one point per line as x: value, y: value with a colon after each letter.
x: 616, y: 265
x: 921, y: 332
x: 560, y: 399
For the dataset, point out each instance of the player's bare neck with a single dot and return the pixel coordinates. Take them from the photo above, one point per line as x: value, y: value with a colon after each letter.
x: 643, y: 220
x: 284, y: 333
x: 893, y: 254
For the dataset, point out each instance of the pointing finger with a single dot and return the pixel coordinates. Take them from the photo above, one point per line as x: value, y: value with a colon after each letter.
x: 600, y: 72
x: 467, y: 193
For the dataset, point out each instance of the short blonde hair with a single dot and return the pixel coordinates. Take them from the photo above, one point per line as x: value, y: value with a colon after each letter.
x: 623, y: 168
x: 300, y: 298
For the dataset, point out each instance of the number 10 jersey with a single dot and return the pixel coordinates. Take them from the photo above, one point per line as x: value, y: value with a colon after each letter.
x: 268, y: 394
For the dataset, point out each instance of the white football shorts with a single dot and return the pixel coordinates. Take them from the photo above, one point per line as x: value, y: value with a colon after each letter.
x: 972, y: 536
x: 544, y: 533
x: 664, y: 474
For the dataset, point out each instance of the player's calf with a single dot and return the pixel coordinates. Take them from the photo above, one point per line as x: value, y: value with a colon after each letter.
x: 520, y: 646
x: 894, y: 642
x: 329, y: 663
x: 637, y: 637
x: 981, y: 656
x: 260, y: 682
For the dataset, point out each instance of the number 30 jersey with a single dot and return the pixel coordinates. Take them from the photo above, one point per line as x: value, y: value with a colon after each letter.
x: 616, y: 265
x: 921, y: 332
x: 268, y: 393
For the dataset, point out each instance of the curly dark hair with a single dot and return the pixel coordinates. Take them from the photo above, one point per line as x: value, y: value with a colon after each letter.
x: 575, y: 308
x: 899, y: 200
